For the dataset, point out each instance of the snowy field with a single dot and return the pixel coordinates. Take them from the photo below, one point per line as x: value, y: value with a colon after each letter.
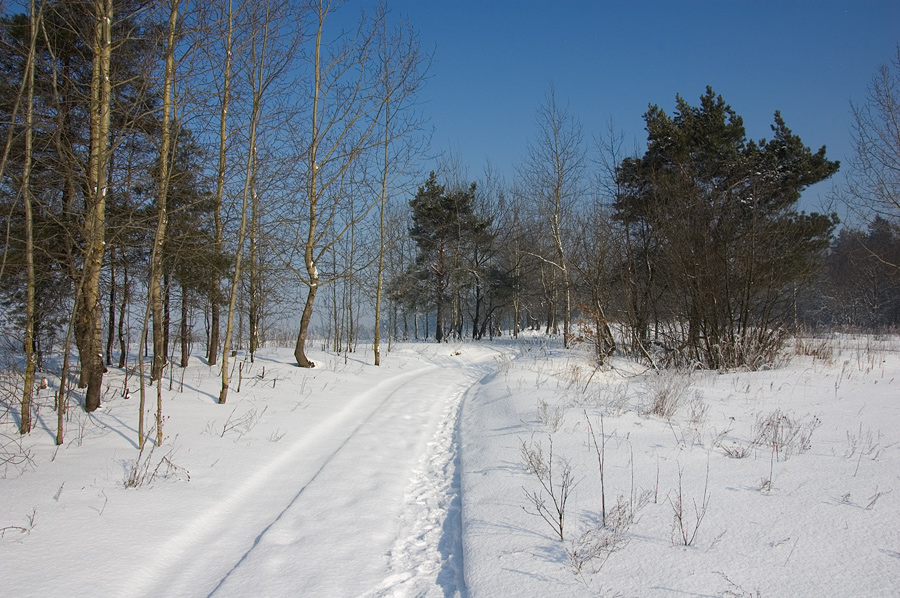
x: 511, y: 468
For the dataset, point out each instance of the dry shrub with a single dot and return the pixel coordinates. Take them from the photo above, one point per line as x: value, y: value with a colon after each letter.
x: 817, y: 348
x: 665, y: 390
x: 785, y: 434
x: 557, y: 482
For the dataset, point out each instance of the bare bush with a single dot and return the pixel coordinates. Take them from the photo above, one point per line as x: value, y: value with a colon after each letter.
x: 504, y: 363
x: 784, y: 433
x: 142, y: 471
x: 611, y: 399
x: 665, y: 391
x: 817, y: 348
x: 699, y: 410
x: 863, y: 443
x: 20, y: 528
x: 732, y: 449
x: 243, y: 423
x: 551, y: 417
x: 736, y: 591
x: 557, y: 482
x: 14, y: 454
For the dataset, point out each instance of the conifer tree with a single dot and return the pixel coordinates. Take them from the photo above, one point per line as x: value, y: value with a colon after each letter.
x: 731, y: 242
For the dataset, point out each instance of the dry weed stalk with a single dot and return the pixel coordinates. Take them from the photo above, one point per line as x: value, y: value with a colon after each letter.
x: 556, y: 480
x: 685, y: 527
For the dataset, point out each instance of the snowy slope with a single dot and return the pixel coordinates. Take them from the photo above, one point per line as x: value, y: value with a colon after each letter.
x: 409, y: 480
x: 821, y: 519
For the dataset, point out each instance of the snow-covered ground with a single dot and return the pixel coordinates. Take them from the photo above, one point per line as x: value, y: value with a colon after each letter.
x: 429, y: 476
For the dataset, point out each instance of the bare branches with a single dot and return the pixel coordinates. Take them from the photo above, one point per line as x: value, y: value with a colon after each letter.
x: 557, y: 485
x: 874, y: 177
x: 685, y: 524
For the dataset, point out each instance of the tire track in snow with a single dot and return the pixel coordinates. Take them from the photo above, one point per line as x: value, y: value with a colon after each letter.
x: 355, y: 522
x: 170, y: 564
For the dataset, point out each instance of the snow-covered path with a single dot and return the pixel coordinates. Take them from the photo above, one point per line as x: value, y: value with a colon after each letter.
x: 408, y: 481
x: 337, y: 481
x: 369, y: 486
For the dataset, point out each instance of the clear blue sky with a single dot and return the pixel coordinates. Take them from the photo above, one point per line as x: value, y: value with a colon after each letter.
x: 494, y: 60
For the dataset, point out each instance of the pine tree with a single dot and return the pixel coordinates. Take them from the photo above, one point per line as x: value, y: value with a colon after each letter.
x: 729, y: 243
x: 444, y: 226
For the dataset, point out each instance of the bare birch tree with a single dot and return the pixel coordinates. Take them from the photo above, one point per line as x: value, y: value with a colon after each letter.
x: 343, y: 114
x: 403, y: 69
x: 268, y: 58
x: 225, y: 21
x: 553, y: 178
x: 155, y: 304
x: 28, y: 389
x: 88, y: 325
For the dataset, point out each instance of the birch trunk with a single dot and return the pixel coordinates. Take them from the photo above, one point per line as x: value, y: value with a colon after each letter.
x: 88, y: 325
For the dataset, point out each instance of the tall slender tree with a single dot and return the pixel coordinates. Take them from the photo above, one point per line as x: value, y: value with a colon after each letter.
x: 88, y: 328
x: 343, y: 114
x: 552, y: 177
x: 402, y: 74
x: 34, y: 18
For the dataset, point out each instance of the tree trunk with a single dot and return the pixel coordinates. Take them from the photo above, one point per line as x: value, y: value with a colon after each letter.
x: 299, y: 349
x: 88, y: 329
x: 28, y: 383
x: 123, y: 340
x: 160, y: 325
x: 254, y: 311
x: 185, y: 329
x: 111, y: 324
x: 212, y: 350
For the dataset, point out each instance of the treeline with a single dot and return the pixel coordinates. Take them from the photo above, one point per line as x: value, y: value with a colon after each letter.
x: 232, y: 173
x: 695, y: 250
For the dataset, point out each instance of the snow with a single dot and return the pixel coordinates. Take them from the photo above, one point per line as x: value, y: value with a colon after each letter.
x: 408, y: 479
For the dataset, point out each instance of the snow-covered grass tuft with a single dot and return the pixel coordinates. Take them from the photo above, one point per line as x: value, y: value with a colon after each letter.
x: 144, y: 469
x: 784, y: 433
x: 665, y: 390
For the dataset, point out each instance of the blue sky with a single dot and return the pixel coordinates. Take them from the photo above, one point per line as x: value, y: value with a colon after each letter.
x: 494, y: 61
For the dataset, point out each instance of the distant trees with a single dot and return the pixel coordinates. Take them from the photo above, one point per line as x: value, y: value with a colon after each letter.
x: 699, y: 253
x: 861, y: 285
x: 448, y: 235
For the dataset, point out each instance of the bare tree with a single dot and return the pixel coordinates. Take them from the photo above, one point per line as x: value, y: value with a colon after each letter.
x: 226, y: 21
x: 88, y: 325
x: 25, y: 419
x: 403, y: 69
x: 154, y: 303
x: 553, y: 178
x: 873, y: 181
x: 343, y: 113
x: 267, y: 62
